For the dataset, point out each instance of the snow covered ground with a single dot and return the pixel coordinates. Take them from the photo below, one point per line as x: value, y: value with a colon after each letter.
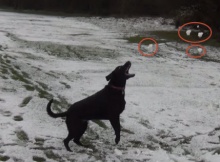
x: 173, y: 108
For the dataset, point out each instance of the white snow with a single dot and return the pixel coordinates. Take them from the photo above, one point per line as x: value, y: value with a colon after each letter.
x: 172, y: 109
x: 118, y: 152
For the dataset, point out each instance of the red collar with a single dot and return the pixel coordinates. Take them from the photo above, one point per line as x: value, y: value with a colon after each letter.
x: 117, y: 88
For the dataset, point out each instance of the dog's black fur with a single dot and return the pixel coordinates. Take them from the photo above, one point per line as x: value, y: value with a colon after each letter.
x: 107, y: 104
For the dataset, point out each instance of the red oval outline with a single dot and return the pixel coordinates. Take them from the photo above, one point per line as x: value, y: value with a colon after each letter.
x: 197, y: 45
x: 195, y: 42
x: 144, y: 54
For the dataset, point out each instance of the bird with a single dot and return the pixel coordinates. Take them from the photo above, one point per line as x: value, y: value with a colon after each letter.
x: 200, y: 34
x: 199, y: 50
x: 150, y: 48
x: 188, y: 32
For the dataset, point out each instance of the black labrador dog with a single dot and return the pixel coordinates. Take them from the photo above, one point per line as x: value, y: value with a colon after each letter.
x: 106, y: 104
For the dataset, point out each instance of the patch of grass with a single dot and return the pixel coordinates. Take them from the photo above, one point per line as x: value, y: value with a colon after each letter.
x: 39, y: 141
x: 1, y: 48
x: 43, y: 94
x: 162, y: 144
x: 17, y: 159
x: 146, y: 124
x: 8, y: 56
x: 8, y: 90
x: 18, y: 118
x: 80, y: 34
x: 127, y: 131
x: 152, y: 147
x: 7, y: 113
x: 22, y: 135
x: 91, y: 134
x: 135, y: 39
x: 212, y: 42
x: 4, y: 71
x: 2, y: 61
x: 25, y: 101
x: 136, y: 143
x: 172, y: 36
x: 4, y: 158
x: 165, y: 146
x: 44, y: 148
x: 69, y: 51
x: 26, y: 75
x: 4, y: 77
x: 66, y: 85
x: 43, y: 85
x: 169, y: 36
x: 186, y: 139
x: 51, y: 155
x: 29, y: 87
x: 160, y: 36
x: 88, y: 144
x: 186, y: 151
x: 31, y: 56
x: 38, y: 159
x: 52, y: 75
x: 8, y: 61
x: 100, y: 123
x: 17, y: 76
x: 207, y: 59
x: 2, y: 100
x: 17, y: 67
x: 39, y: 69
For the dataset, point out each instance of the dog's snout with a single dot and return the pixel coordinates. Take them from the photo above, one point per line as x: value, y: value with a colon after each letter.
x: 128, y: 63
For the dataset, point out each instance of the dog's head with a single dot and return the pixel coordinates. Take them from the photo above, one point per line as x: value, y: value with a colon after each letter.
x: 119, y: 76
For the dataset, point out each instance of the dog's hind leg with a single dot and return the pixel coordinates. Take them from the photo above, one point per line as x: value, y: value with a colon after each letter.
x: 67, y: 140
x: 80, y: 132
x: 70, y: 127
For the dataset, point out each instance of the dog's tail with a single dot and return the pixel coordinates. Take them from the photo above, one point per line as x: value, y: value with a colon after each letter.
x: 53, y: 115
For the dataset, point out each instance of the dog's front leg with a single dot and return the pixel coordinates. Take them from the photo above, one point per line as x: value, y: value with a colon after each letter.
x: 115, y: 122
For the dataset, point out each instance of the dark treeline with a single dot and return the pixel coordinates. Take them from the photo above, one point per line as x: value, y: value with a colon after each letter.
x: 207, y: 11
x: 98, y: 7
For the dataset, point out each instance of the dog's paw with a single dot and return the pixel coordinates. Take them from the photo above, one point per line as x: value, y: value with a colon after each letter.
x: 117, y: 139
x: 69, y: 150
x: 67, y: 146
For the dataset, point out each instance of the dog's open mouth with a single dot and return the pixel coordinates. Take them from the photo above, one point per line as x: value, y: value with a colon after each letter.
x: 127, y: 71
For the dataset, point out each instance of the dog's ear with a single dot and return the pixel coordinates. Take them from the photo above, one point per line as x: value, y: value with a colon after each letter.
x: 109, y: 77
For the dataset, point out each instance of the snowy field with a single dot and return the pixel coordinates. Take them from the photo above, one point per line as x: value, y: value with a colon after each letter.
x: 173, y: 108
